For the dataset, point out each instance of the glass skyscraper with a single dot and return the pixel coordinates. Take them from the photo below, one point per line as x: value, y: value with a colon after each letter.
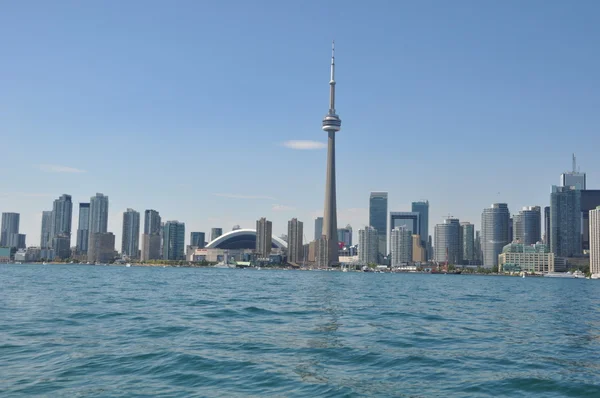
x: 83, y: 228
x: 318, y: 227
x: 423, y: 209
x: 130, y: 240
x: 494, y: 232
x: 565, y: 222
x: 378, y: 208
x: 174, y: 240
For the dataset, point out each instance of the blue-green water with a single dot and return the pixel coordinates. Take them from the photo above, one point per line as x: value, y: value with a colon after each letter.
x: 71, y: 330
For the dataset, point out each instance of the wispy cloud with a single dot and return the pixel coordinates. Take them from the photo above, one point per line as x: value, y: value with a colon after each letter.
x: 304, y: 145
x: 242, y: 196
x: 282, y: 208
x: 54, y: 168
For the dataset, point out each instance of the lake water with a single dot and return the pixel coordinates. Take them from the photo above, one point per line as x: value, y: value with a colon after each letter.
x: 94, y: 331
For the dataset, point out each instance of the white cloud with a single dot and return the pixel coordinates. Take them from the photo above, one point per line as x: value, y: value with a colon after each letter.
x: 240, y: 196
x: 304, y: 145
x: 53, y: 168
x: 282, y: 208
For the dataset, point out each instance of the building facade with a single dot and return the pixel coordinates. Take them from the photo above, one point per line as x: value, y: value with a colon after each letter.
x: 447, y: 242
x: 10, y: 226
x: 101, y: 247
x: 83, y: 229
x: 98, y: 216
x: 467, y: 241
x: 151, y: 247
x: 368, y: 246
x: 62, y: 214
x: 527, y: 225
x: 547, y: 231
x: 61, y: 244
x: 215, y: 233
x: 345, y: 235
x: 419, y: 252
x: 264, y: 237
x: 401, y: 246
x: 130, y: 240
x: 494, y: 232
x: 517, y: 257
x: 378, y: 208
x: 46, y: 234
x: 423, y: 209
x: 295, y: 241
x: 594, y: 229
x: 197, y: 239
x: 565, y: 222
x: 174, y: 240
x: 152, y: 222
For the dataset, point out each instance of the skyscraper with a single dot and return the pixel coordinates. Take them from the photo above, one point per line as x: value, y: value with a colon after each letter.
x: 295, y: 246
x: 215, y: 233
x: 478, y: 252
x: 368, y: 245
x: 197, y: 239
x: 331, y: 124
x: 494, y: 232
x: 401, y: 246
x: 318, y: 227
x: 151, y: 239
x: 174, y: 240
x: 404, y: 219
x: 447, y: 242
x: 83, y: 228
x: 101, y: 248
x: 573, y: 178
x: 378, y: 208
x: 547, y: 231
x: 10, y: 226
x: 152, y: 222
x: 46, y: 235
x: 130, y: 240
x: 345, y: 235
x: 467, y: 233
x: 264, y: 237
x: 590, y: 200
x: 62, y: 214
x: 565, y: 221
x: 595, y: 241
x: 527, y: 225
x: 423, y: 209
x: 98, y: 214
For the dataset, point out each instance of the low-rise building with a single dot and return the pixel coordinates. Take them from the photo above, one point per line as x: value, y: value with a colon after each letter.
x: 517, y: 257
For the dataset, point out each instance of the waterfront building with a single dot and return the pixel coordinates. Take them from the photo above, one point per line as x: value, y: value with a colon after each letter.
x: 295, y: 246
x: 547, y: 232
x: 83, y: 229
x: 401, y: 246
x: 62, y: 215
x: 378, y: 209
x: 494, y: 232
x: 264, y: 237
x: 174, y: 240
x: 33, y: 254
x: 565, y: 222
x: 344, y: 235
x: 151, y: 247
x: 5, y: 254
x: 422, y: 208
x: 61, y: 244
x: 447, y: 242
x: 467, y: 235
x: 130, y: 240
x: 98, y: 217
x: 527, y: 225
x: 215, y: 233
x: 368, y: 246
x: 101, y: 247
x: 573, y: 178
x: 46, y: 235
x: 197, y: 239
x: 318, y: 227
x: 10, y: 226
x: 594, y: 231
x: 517, y: 257
x: 419, y: 252
x: 405, y: 219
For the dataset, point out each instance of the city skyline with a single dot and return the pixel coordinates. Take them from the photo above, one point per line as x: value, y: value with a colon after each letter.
x: 492, y: 89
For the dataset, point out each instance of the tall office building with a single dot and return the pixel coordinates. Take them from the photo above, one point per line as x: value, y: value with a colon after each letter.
x: 401, y: 246
x: 573, y: 178
x: 527, y: 225
x: 494, y: 232
x: 197, y: 239
x: 447, y: 242
x: 62, y: 214
x: 152, y: 222
x: 594, y: 228
x: 318, y: 227
x: 264, y: 237
x: 368, y: 245
x: 547, y: 232
x: 344, y: 235
x: 98, y: 214
x: 423, y: 209
x: 215, y: 233
x: 378, y: 208
x: 295, y: 246
x: 565, y: 221
x: 46, y: 235
x: 467, y: 233
x: 174, y: 240
x: 10, y: 226
x: 130, y: 240
x: 83, y: 228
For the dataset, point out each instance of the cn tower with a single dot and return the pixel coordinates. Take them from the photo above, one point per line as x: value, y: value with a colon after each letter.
x: 331, y: 124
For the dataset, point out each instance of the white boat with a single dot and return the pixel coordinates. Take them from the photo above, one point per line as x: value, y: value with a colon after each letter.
x: 560, y: 275
x: 595, y: 276
x: 44, y: 263
x: 128, y: 265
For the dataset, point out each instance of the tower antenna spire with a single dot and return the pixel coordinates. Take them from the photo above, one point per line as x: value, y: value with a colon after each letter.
x: 332, y: 81
x: 574, y: 164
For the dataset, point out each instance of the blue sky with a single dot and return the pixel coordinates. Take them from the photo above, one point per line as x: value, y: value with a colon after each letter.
x: 184, y: 106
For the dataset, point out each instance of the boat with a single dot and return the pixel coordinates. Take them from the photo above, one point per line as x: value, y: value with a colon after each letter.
x: 568, y: 275
x: 128, y: 265
x: 595, y: 276
x: 44, y: 263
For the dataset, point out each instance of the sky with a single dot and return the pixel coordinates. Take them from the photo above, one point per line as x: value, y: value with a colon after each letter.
x: 192, y: 107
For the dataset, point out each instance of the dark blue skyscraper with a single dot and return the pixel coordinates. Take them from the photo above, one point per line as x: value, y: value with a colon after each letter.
x: 378, y: 208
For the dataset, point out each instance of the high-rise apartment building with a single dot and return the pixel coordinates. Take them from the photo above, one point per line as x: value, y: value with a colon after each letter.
x: 295, y: 245
x: 264, y: 237
x: 101, y: 248
x: 151, y: 239
x: 152, y: 222
x: 378, y: 208
x: 98, y: 214
x: 419, y: 252
x: 447, y: 242
x: 565, y: 222
x: 10, y: 226
x: 494, y: 232
x: 467, y: 234
x: 130, y: 240
x: 423, y: 209
x: 594, y: 228
x: 547, y: 231
x: 197, y: 239
x: 62, y: 215
x: 62, y: 246
x: 215, y: 233
x: 478, y: 252
x: 83, y: 228
x: 401, y: 246
x: 46, y: 235
x: 527, y: 225
x: 174, y: 240
x: 368, y: 245
x: 318, y: 227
